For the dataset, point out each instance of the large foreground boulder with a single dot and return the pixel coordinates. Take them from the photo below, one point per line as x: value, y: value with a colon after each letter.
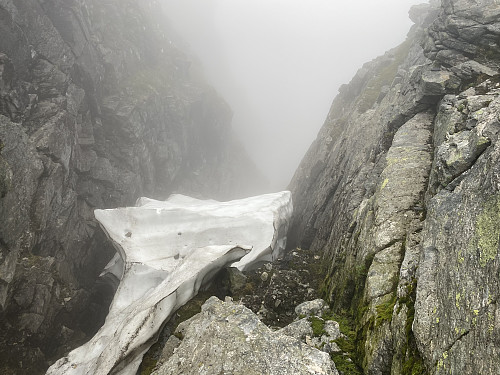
x: 227, y: 338
x: 166, y: 252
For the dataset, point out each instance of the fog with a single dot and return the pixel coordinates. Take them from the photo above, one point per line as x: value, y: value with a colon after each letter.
x: 279, y: 63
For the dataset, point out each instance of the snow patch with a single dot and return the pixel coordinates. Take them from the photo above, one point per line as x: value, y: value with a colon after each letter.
x: 166, y: 251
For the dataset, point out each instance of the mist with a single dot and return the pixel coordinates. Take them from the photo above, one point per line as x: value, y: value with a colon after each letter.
x: 279, y: 63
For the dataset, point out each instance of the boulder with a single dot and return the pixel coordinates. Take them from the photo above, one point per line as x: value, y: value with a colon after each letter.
x: 227, y: 338
x: 325, y: 340
x: 316, y: 307
x: 299, y: 329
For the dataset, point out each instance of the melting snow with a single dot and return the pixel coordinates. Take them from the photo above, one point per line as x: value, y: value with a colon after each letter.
x: 166, y: 251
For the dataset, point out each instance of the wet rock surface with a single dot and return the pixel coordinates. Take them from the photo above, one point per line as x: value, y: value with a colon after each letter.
x: 98, y: 106
x: 397, y: 197
x: 399, y: 193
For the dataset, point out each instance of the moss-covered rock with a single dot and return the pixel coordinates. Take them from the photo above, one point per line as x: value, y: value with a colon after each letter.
x: 407, y: 214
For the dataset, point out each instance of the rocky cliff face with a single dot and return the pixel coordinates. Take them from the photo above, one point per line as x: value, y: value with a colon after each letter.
x: 400, y: 191
x: 97, y: 107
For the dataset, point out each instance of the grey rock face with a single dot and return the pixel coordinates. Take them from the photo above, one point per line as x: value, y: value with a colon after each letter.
x: 299, y: 329
x: 400, y: 192
x: 229, y: 338
x: 97, y: 107
x: 456, y: 309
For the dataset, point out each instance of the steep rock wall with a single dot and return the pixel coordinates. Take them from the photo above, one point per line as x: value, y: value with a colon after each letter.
x: 400, y: 192
x: 97, y: 107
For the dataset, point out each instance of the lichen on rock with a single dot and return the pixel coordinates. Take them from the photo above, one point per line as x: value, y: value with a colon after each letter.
x: 405, y: 204
x: 488, y: 231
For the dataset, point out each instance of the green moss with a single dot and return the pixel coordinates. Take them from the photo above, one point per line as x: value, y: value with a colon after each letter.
x: 147, y: 366
x: 317, y: 325
x: 362, y: 335
x: 488, y: 231
x: 345, y: 365
x: 347, y: 284
x: 345, y: 362
x: 345, y: 324
x: 385, y: 311
x: 347, y: 289
x: 410, y: 317
x: 360, y: 274
x: 414, y: 366
x: 412, y: 361
x: 347, y: 345
x: 357, y: 324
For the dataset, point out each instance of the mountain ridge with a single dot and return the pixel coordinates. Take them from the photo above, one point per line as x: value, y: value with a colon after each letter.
x: 398, y: 193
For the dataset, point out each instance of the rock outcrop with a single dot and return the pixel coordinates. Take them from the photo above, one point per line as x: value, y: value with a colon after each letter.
x: 97, y: 107
x: 228, y: 338
x: 400, y: 193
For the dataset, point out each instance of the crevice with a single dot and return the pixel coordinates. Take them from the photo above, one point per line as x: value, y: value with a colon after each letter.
x: 391, y: 243
x: 471, y: 329
x: 53, y: 158
x: 450, y: 346
x: 459, y: 178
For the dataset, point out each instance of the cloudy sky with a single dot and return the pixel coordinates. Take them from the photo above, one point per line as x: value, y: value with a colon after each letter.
x: 279, y: 63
